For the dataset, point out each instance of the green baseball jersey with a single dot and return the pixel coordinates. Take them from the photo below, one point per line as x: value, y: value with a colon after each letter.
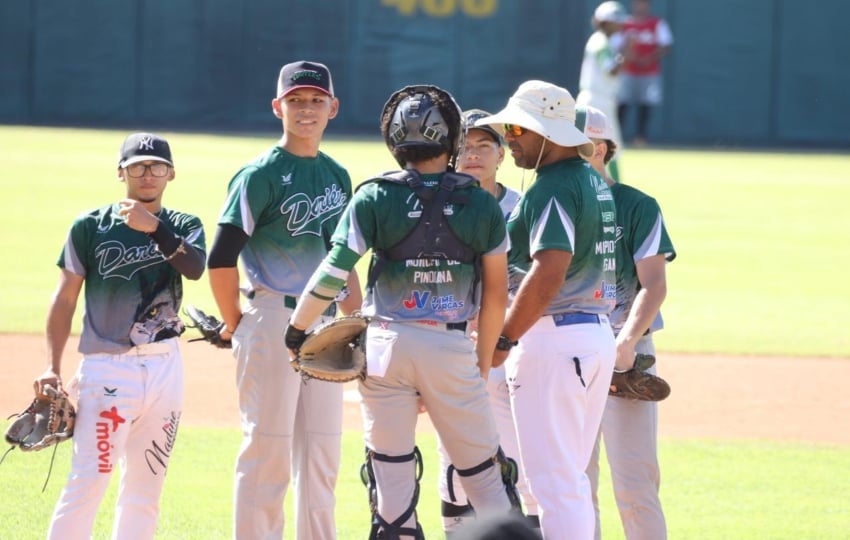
x: 288, y: 206
x: 641, y: 233
x: 570, y: 208
x: 382, y: 213
x: 132, y: 295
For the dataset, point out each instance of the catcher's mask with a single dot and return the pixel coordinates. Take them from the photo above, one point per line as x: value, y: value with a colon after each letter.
x: 422, y: 116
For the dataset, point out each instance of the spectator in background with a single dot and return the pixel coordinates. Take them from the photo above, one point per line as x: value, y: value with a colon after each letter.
x: 646, y: 39
x: 599, y: 82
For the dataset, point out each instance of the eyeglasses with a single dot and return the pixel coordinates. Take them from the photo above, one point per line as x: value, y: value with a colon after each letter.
x: 137, y: 170
x: 515, y: 130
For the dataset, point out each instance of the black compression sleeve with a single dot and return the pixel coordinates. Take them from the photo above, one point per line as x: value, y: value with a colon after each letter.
x: 228, y: 243
x: 165, y: 239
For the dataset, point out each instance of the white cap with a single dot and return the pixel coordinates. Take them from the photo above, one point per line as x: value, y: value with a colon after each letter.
x: 546, y: 109
x: 594, y: 123
x: 610, y: 12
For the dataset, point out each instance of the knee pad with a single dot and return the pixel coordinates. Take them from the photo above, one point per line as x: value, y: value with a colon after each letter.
x: 381, y: 528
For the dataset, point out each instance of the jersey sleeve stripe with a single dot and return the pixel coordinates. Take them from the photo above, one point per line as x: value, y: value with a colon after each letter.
x: 245, y: 214
x: 652, y: 243
x: 71, y: 261
x: 540, y: 226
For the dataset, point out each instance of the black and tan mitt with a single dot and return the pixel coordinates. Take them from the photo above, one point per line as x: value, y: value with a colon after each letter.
x: 46, y: 421
x: 209, y: 327
x: 637, y: 383
x: 334, y: 351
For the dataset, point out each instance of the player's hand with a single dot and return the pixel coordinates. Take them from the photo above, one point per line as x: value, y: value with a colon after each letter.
x: 625, y: 357
x: 137, y: 216
x: 49, y: 377
x: 499, y: 358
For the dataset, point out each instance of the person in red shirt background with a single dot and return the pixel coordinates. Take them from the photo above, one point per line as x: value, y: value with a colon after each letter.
x: 646, y: 38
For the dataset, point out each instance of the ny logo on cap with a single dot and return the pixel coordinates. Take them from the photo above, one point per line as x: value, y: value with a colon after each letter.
x: 146, y: 143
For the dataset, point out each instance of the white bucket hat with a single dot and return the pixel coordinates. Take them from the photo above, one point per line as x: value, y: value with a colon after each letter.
x: 545, y: 109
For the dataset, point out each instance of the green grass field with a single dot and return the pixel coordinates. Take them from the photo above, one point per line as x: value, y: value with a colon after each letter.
x: 711, y: 491
x: 762, y: 241
x: 761, y: 237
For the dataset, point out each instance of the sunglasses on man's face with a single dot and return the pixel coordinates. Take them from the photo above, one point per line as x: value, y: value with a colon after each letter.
x: 515, y: 130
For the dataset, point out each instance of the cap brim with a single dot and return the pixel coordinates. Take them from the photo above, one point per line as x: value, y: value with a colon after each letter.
x: 319, y: 88
x: 136, y: 159
x: 560, y: 131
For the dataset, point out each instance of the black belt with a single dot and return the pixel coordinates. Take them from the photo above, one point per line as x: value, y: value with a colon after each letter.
x: 290, y: 302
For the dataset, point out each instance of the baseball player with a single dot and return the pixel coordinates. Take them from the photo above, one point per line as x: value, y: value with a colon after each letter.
x: 556, y: 337
x: 599, y: 80
x: 439, y: 257
x: 629, y: 427
x: 131, y: 255
x: 482, y: 155
x: 279, y: 214
x: 646, y: 39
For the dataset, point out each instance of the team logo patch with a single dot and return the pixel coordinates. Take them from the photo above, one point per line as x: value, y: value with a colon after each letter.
x: 146, y: 143
x: 306, y: 215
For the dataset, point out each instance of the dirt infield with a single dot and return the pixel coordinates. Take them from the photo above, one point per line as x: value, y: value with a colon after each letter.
x: 716, y: 397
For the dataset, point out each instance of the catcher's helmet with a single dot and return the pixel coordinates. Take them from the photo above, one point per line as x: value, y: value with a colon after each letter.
x: 422, y: 116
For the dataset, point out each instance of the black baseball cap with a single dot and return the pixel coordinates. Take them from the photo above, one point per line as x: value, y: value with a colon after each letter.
x: 142, y: 147
x: 473, y: 115
x: 304, y: 74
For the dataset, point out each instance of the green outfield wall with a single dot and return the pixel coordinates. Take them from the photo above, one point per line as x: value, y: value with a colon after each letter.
x: 746, y: 73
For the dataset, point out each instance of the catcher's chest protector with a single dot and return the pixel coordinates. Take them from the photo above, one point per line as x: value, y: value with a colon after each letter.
x: 431, y: 237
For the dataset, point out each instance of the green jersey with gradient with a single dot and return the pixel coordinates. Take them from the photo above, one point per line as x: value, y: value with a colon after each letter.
x: 382, y: 213
x: 288, y: 206
x: 131, y: 292
x: 569, y: 208
x: 640, y: 234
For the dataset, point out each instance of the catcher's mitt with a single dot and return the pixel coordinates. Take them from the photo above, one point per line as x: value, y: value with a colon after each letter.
x: 209, y: 327
x: 636, y: 383
x: 47, y: 421
x: 335, y: 351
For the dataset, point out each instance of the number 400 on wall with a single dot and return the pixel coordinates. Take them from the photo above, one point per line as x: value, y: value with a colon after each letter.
x: 445, y: 8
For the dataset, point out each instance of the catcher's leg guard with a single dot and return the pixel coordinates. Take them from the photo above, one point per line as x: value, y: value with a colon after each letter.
x: 454, y: 515
x: 381, y: 528
x: 510, y: 475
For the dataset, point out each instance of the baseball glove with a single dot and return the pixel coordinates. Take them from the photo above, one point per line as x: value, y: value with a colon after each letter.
x: 636, y: 383
x: 47, y: 421
x: 335, y: 351
x: 209, y: 327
